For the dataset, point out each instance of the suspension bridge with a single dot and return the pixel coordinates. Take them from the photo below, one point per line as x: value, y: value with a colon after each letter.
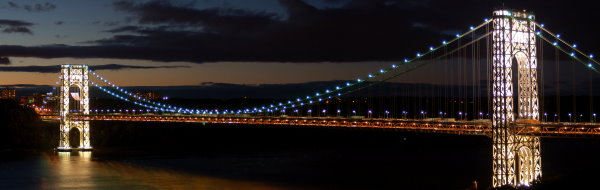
x: 490, y: 81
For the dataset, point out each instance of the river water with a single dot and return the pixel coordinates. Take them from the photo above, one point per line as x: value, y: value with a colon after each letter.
x: 80, y: 170
x: 398, y: 161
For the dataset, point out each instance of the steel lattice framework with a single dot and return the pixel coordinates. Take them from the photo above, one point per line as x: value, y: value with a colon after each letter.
x: 74, y: 76
x: 516, y: 158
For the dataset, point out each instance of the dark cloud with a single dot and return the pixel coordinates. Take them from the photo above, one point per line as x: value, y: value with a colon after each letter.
x: 39, y: 7
x: 356, y: 30
x: 17, y: 30
x: 360, y: 30
x: 171, y: 32
x: 165, y: 12
x: 56, y: 68
x: 106, y: 23
x: 59, y: 22
x: 15, y: 26
x: 13, y: 5
x: 124, y: 29
x: 104, y: 51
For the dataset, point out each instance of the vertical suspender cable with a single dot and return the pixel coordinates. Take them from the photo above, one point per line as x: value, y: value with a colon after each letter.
x: 556, y: 61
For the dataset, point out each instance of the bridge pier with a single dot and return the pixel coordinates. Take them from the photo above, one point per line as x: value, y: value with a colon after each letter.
x: 74, y: 97
x: 516, y: 158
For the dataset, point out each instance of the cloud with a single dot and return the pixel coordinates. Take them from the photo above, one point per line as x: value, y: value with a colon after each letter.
x: 56, y: 68
x: 357, y: 30
x: 106, y: 23
x: 39, y: 7
x: 160, y: 12
x: 13, y: 5
x: 15, y: 26
x: 105, y: 51
x: 59, y: 22
x: 124, y: 29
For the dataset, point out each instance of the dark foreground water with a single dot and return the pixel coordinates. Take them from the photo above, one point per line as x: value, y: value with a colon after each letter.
x: 80, y: 170
x: 294, y: 158
x: 294, y: 170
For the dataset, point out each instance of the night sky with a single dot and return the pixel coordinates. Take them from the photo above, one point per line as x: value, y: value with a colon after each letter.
x: 172, y: 43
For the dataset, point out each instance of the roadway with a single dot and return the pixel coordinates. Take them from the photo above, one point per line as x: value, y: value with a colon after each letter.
x: 429, y: 125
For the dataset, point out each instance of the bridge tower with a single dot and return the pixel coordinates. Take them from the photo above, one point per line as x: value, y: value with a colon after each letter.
x: 74, y: 86
x: 516, y: 158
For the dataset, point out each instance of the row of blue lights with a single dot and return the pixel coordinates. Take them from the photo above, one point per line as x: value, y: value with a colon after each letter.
x: 159, y: 106
x: 165, y: 107
x: 317, y: 96
x: 128, y: 100
x: 127, y: 92
x: 327, y: 94
x: 573, y: 46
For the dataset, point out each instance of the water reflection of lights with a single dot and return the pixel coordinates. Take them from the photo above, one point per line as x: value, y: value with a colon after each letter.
x: 77, y: 170
x: 73, y: 170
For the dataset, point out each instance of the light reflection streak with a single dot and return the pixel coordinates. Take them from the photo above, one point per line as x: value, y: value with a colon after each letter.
x: 78, y: 170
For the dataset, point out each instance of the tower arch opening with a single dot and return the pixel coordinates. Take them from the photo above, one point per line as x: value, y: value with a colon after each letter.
x: 75, y: 137
x: 525, y: 166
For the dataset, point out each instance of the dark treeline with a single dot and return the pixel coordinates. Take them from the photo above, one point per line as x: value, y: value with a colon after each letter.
x: 20, y: 127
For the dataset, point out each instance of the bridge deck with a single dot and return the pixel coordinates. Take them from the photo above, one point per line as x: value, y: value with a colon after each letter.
x: 415, y: 125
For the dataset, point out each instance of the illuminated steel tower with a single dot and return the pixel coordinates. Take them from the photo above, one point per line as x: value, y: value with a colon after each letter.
x: 517, y: 159
x: 74, y: 85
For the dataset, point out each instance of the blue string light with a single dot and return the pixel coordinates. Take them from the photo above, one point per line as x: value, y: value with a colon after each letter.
x: 308, y: 98
x: 573, y: 47
x: 136, y: 102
